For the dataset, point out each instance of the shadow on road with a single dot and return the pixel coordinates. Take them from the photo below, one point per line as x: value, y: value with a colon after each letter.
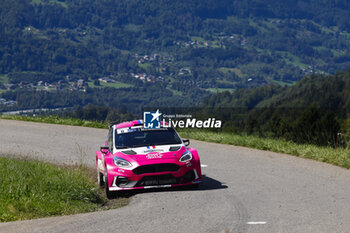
x: 207, y: 184
x: 210, y: 184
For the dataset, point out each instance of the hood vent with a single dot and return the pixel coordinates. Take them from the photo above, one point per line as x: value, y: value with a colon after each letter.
x: 174, y: 148
x: 129, y: 152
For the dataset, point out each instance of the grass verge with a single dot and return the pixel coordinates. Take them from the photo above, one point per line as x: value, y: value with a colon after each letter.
x: 32, y: 189
x: 339, y: 157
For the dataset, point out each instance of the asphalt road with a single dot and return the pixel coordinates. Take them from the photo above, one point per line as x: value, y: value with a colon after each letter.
x: 244, y: 190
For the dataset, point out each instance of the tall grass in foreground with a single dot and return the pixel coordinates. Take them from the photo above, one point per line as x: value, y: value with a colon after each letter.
x: 339, y: 156
x: 31, y: 189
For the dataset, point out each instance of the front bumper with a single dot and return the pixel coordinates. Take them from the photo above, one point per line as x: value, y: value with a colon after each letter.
x: 122, y: 179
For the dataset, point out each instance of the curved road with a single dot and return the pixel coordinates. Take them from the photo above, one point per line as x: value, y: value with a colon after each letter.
x: 244, y: 190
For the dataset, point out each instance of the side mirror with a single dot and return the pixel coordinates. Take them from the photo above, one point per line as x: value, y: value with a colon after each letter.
x: 104, y: 149
x: 186, y: 142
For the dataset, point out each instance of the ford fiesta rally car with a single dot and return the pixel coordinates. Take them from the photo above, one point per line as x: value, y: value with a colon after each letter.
x: 137, y: 158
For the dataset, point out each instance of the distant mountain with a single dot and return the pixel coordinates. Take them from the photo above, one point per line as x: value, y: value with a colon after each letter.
x: 314, y: 110
x: 204, y: 45
x: 331, y: 92
x: 326, y: 91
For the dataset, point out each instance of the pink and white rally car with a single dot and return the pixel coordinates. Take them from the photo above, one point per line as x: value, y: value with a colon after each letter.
x: 137, y: 158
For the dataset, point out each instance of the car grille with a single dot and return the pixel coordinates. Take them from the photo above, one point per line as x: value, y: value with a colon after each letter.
x: 165, y: 179
x: 153, y: 168
x: 157, y: 180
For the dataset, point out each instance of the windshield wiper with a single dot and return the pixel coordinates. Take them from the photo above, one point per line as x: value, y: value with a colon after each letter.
x: 121, y: 147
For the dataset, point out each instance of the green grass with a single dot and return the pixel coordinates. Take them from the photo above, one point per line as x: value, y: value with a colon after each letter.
x: 144, y: 65
x: 197, y: 38
x: 219, y: 90
x: 262, y: 28
x: 117, y: 84
x: 32, y: 189
x: 3, y: 78
x: 337, y: 52
x: 57, y: 120
x: 133, y: 27
x: 175, y: 92
x: 292, y: 59
x: 287, y: 57
x: 281, y: 83
x: 339, y: 157
x: 226, y: 70
x: 50, y: 2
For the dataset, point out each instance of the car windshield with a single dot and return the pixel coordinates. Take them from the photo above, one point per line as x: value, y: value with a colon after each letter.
x: 139, y: 137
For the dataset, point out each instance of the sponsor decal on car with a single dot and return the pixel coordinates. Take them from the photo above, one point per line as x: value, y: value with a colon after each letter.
x: 153, y: 149
x: 125, y: 130
x: 154, y: 155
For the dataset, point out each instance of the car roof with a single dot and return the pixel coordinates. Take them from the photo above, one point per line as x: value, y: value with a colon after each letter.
x: 131, y: 124
x: 128, y: 124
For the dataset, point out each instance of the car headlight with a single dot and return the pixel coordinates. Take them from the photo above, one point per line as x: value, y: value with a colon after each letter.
x: 120, y: 162
x: 187, y: 156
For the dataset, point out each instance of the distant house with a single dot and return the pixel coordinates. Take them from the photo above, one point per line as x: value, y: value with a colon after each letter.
x: 106, y: 80
x: 10, y: 86
x: 10, y: 102
x: 184, y: 71
x: 23, y: 83
x: 80, y: 83
x: 142, y: 76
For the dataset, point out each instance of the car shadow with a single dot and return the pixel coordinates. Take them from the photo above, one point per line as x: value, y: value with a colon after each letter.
x: 207, y: 184
x: 211, y: 184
